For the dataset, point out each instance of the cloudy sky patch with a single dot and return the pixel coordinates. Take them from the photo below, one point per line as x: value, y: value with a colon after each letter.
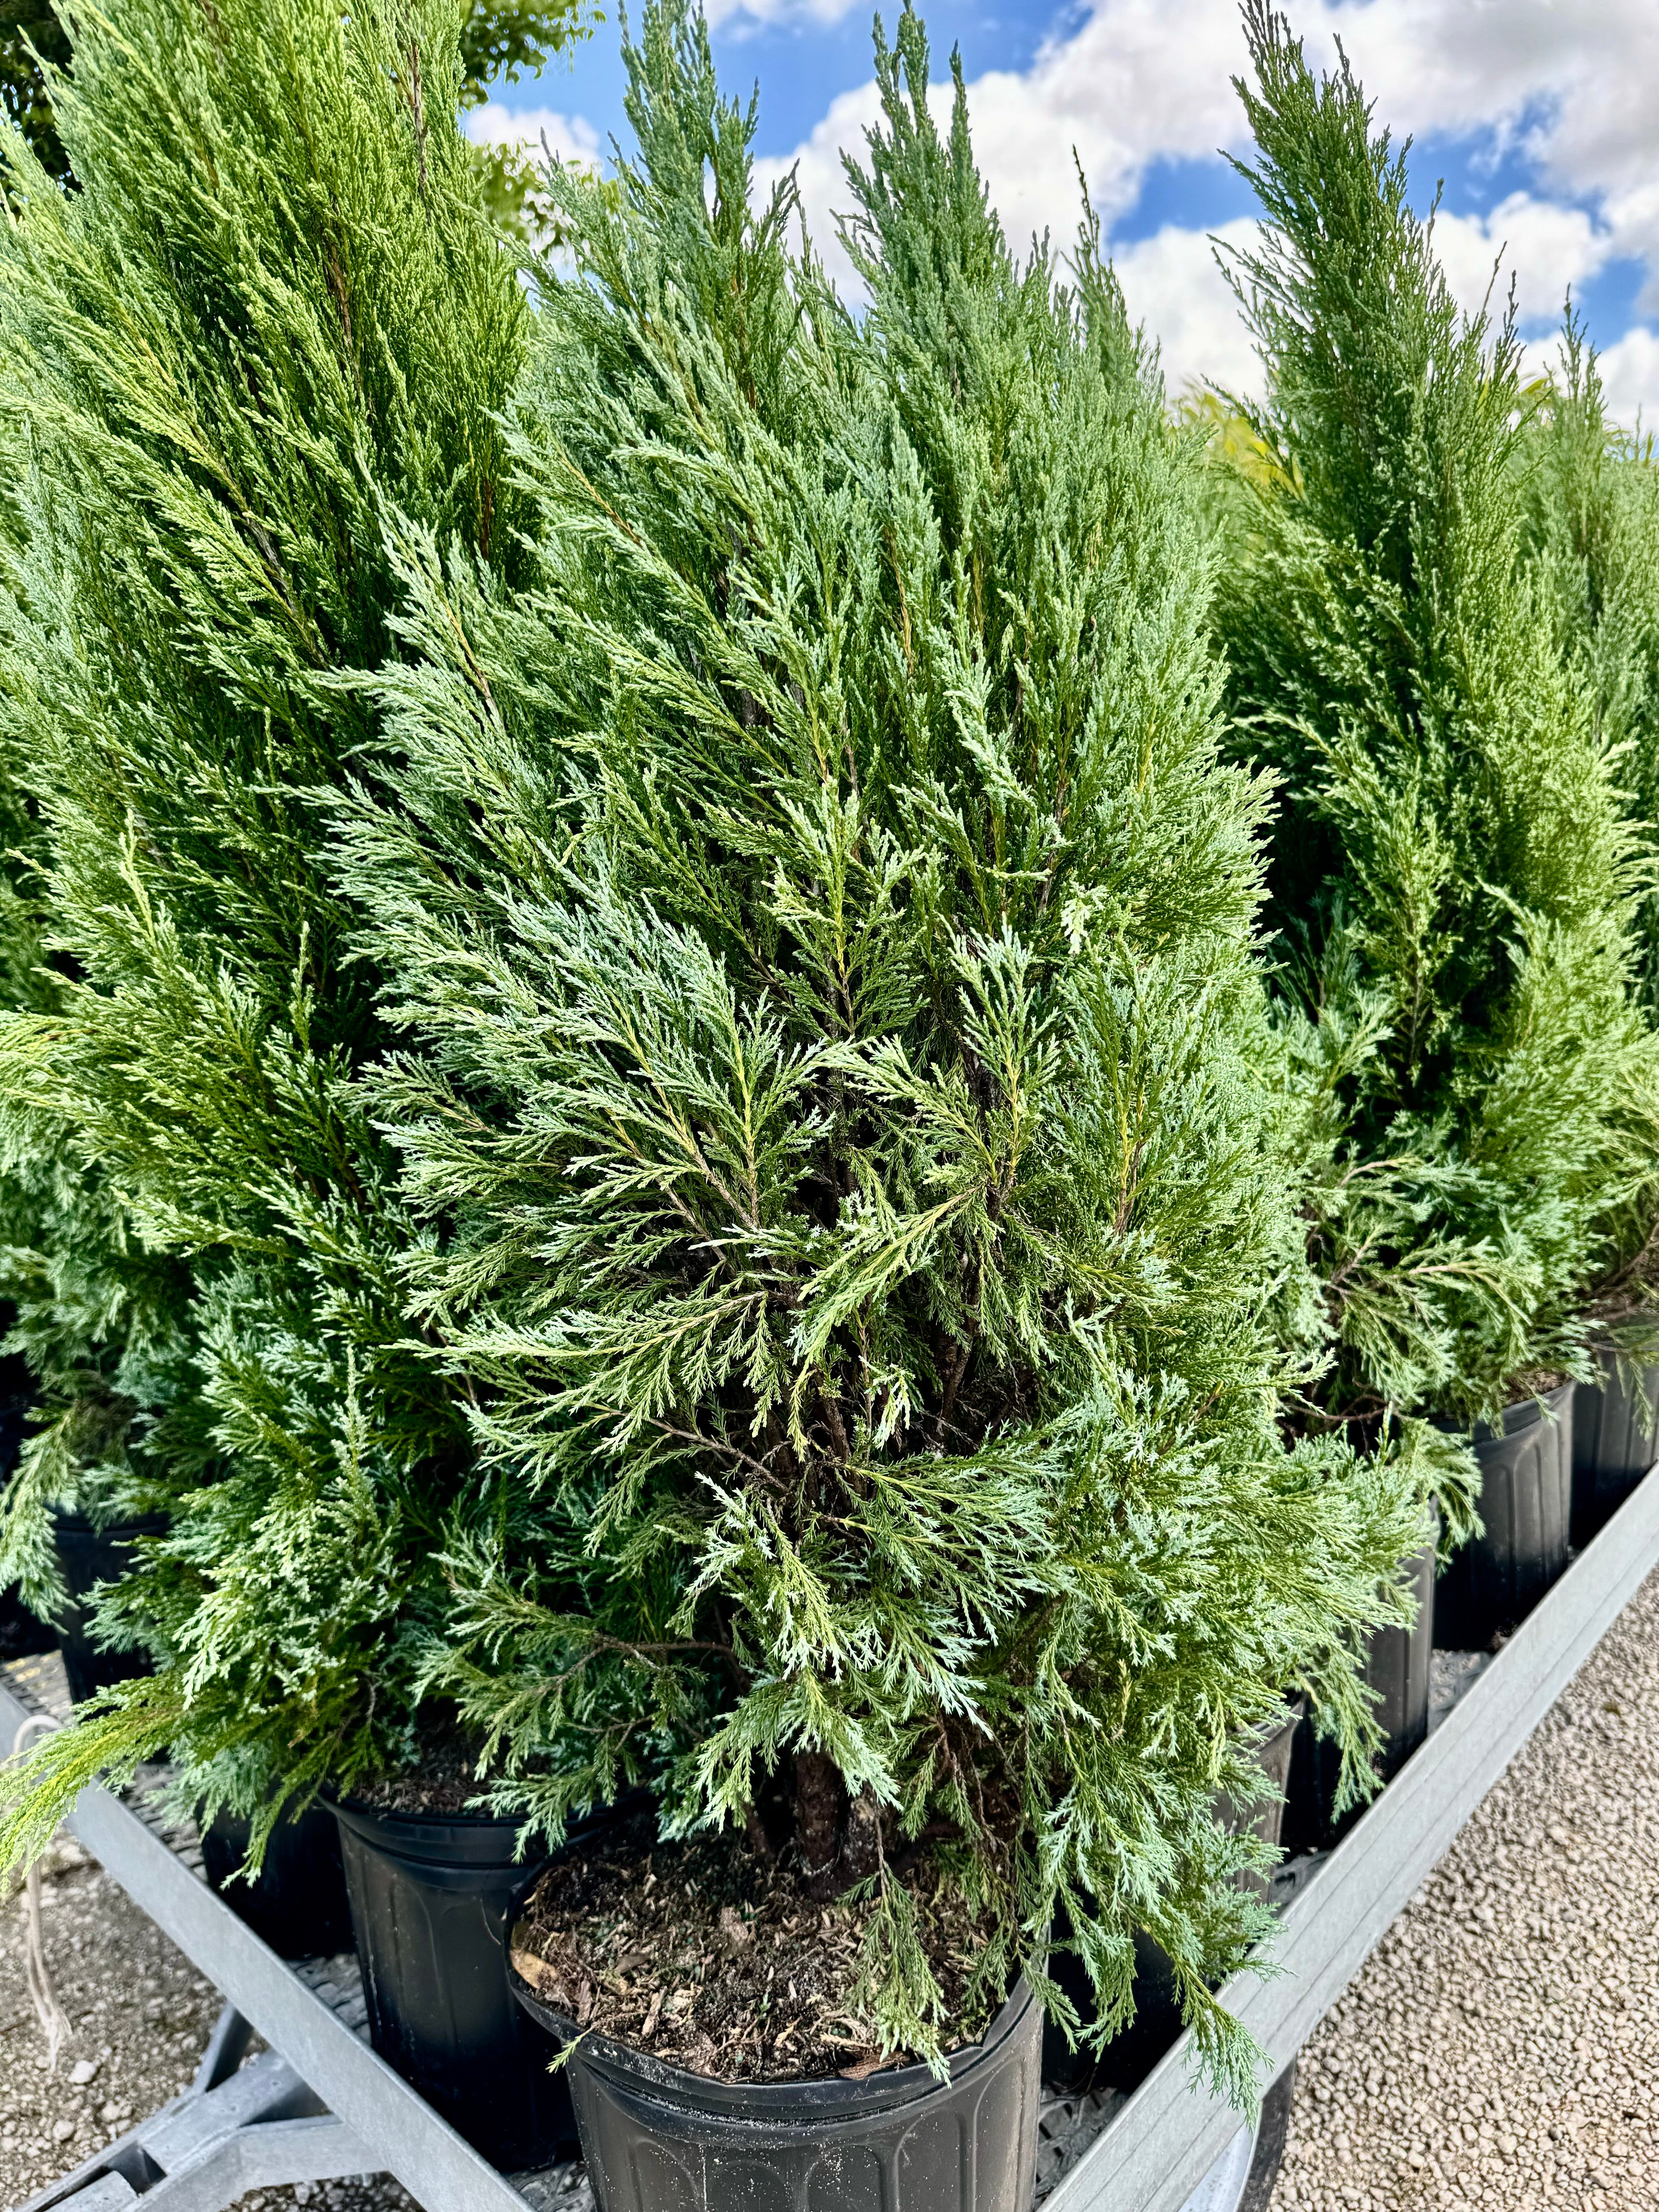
x: 1540, y: 120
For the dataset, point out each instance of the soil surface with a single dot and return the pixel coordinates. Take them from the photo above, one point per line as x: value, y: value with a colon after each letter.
x: 713, y: 1960
x: 1499, y: 2050
x: 1533, y: 1382
x: 446, y: 1781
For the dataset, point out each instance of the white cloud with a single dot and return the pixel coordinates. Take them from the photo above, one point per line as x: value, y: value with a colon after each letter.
x: 1576, y: 87
x: 1544, y: 245
x: 1175, y: 289
x: 569, y: 137
x: 1630, y: 370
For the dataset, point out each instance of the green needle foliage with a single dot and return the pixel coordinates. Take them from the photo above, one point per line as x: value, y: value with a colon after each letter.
x: 823, y: 928
x: 1452, y: 880
x: 103, y: 1324
x: 499, y: 40
x: 1592, y: 513
x: 31, y: 34
x: 274, y: 307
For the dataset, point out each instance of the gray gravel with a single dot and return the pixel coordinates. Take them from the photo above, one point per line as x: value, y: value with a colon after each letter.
x: 141, y: 2015
x: 1500, y: 2049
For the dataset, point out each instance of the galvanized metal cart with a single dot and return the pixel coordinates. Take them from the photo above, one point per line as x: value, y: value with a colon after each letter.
x: 317, y: 2103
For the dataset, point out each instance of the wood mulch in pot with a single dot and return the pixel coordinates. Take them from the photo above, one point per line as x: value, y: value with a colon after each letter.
x: 710, y: 1957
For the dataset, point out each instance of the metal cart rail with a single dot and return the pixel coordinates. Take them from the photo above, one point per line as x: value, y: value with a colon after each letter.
x: 318, y: 2103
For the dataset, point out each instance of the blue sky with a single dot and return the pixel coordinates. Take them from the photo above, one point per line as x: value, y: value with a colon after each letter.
x: 1541, y: 118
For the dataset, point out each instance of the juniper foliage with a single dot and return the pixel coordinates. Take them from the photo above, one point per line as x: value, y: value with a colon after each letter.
x: 822, y: 926
x: 1452, y: 878
x: 1592, y: 533
x: 499, y: 40
x: 274, y: 306
x: 1592, y: 528
x: 102, y: 1324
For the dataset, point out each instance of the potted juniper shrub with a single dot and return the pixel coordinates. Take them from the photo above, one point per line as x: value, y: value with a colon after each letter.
x: 821, y: 927
x: 96, y: 1336
x: 1592, y: 515
x: 1451, y: 884
x: 278, y: 257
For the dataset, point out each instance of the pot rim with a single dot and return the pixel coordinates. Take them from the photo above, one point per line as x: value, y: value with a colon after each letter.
x: 383, y: 1816
x: 1520, y: 1413
x: 74, y: 1523
x: 1528, y: 1413
x: 479, y: 1838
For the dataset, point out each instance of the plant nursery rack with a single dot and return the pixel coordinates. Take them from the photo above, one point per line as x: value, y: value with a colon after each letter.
x: 317, y: 2103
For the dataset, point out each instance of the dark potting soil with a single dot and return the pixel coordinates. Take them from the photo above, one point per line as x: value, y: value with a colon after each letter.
x: 445, y: 1781
x: 711, y: 1959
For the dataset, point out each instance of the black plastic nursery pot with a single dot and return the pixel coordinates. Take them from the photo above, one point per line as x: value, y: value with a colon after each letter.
x: 658, y: 2139
x: 1131, y: 2055
x: 1613, y: 1443
x: 431, y: 1897
x: 1397, y: 1668
x: 297, y: 1901
x: 20, y: 1632
x: 1526, y: 1502
x: 89, y: 1556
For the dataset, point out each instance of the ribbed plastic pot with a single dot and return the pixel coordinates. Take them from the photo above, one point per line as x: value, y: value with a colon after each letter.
x: 89, y: 1556
x: 1398, y: 1664
x: 1526, y: 1504
x: 1131, y: 2055
x: 657, y: 2139
x: 297, y: 1902
x: 431, y: 1896
x: 1267, y: 1820
x: 1613, y: 1433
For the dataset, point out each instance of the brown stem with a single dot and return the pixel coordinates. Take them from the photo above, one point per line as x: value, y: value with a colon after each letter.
x: 820, y: 1807
x: 833, y: 1422
x: 953, y: 1384
x: 861, y: 1852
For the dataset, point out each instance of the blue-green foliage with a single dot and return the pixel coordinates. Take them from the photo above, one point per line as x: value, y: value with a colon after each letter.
x: 1591, y: 496
x: 1452, y: 880
x: 822, y: 929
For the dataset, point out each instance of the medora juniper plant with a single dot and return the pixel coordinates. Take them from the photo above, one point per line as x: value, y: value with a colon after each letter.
x: 273, y: 306
x: 821, y: 926
x: 1592, y: 533
x: 1452, y: 880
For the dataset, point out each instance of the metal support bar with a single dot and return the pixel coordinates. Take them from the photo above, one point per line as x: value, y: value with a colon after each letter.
x: 227, y: 2047
x: 393, y: 2128
x: 1171, y: 2131
x: 254, y: 2128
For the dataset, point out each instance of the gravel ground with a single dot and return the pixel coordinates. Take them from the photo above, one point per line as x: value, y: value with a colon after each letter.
x: 141, y: 2015
x: 1500, y: 2049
